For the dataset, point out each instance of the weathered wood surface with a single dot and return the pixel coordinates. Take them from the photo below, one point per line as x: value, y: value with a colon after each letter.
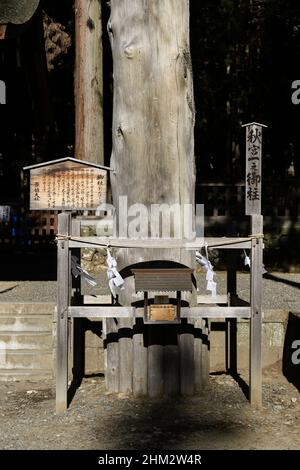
x: 198, y: 347
x: 256, y: 314
x: 140, y: 356
x: 63, y: 298
x: 171, y: 365
x: 205, y: 353
x: 125, y: 355
x: 155, y: 365
x: 253, y: 168
x: 153, y: 121
x: 88, y: 81
x: 163, y: 243
x: 112, y: 352
x: 187, y: 363
x: 17, y: 11
x: 201, y: 311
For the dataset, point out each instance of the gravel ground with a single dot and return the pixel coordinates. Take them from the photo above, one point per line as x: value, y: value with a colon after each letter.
x: 219, y: 418
x: 280, y: 290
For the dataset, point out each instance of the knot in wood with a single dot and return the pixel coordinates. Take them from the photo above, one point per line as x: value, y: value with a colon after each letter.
x: 129, y: 52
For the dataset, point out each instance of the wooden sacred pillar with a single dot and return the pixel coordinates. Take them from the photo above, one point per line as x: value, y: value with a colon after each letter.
x: 253, y: 208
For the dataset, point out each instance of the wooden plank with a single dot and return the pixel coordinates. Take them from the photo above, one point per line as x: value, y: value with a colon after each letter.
x: 256, y: 315
x: 207, y: 299
x: 186, y: 355
x: 125, y: 326
x: 63, y: 279
x: 77, y: 330
x: 155, y: 361
x: 215, y: 312
x: 205, y: 365
x: 231, y: 323
x: 219, y: 242
x: 111, y: 347
x: 105, y: 311
x: 198, y: 354
x: 205, y: 311
x: 140, y: 360
x: 171, y: 368
x: 104, y: 335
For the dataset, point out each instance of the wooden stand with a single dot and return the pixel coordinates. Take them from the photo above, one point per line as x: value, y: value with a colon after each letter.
x: 128, y: 317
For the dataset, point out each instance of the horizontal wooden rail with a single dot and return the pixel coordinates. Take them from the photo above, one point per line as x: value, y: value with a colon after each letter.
x: 204, y: 311
x: 102, y: 312
x: 209, y: 311
x: 215, y: 242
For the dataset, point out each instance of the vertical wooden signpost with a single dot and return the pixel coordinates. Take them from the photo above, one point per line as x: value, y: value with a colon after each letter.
x: 67, y: 185
x: 253, y: 208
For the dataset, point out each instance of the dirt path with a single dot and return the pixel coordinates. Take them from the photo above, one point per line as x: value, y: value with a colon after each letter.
x: 220, y: 418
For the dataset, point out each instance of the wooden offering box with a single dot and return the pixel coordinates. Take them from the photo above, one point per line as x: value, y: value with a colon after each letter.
x: 166, y: 280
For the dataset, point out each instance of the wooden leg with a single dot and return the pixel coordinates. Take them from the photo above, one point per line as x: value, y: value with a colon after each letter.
x: 125, y: 354
x: 139, y: 359
x: 205, y: 366
x: 231, y: 323
x: 198, y: 347
x: 186, y: 355
x: 63, y: 279
x: 155, y: 361
x: 111, y: 355
x: 256, y: 315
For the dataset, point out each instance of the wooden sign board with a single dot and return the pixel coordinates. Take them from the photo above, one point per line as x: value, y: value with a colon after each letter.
x: 164, y: 312
x: 67, y: 184
x: 253, y: 168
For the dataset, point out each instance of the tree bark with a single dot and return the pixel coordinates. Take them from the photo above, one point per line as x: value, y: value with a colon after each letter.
x: 153, y: 141
x: 17, y: 11
x: 88, y: 82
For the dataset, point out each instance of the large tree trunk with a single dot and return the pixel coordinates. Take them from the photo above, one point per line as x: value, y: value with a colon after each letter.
x: 89, y: 82
x: 153, y: 158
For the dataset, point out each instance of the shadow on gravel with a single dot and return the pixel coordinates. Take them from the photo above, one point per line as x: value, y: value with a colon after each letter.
x: 288, y: 282
x: 170, y: 423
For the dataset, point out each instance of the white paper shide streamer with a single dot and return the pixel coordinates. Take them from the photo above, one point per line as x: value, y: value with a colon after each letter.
x: 208, y: 268
x: 115, y: 280
x: 77, y: 270
x: 247, y: 262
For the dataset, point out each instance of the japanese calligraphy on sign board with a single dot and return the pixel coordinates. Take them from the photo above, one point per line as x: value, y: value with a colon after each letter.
x: 253, y: 168
x: 67, y: 184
